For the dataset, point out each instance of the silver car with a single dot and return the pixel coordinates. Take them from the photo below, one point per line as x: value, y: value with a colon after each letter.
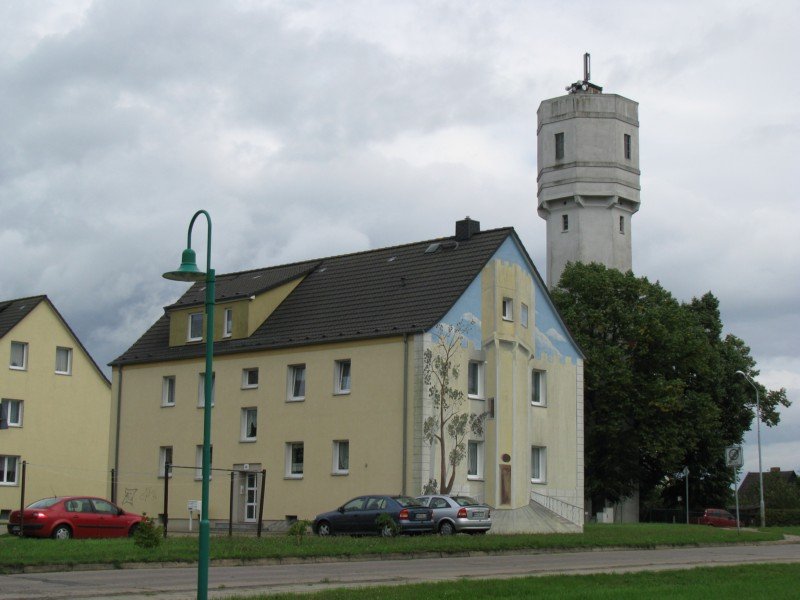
x: 455, y: 514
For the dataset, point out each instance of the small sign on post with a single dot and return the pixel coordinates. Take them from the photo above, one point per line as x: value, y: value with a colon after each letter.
x: 734, y: 457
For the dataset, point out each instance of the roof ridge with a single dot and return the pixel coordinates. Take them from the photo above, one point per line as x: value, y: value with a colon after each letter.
x: 34, y: 297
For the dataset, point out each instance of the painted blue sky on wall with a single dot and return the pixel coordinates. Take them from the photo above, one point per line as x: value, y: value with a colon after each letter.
x: 551, y: 335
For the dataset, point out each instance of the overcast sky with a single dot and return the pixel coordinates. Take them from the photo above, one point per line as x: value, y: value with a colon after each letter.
x: 309, y: 129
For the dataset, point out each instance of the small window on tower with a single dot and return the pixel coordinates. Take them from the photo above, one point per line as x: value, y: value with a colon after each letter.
x: 559, y: 146
x: 622, y: 224
x: 626, y: 142
x: 564, y: 222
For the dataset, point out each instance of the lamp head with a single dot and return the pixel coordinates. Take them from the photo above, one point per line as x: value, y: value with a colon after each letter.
x: 188, y: 270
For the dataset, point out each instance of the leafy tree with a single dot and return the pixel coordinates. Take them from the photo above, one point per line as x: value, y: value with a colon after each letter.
x: 661, y: 390
x: 448, y: 422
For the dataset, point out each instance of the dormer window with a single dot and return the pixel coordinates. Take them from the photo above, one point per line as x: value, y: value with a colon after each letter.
x: 227, y: 329
x: 195, y: 327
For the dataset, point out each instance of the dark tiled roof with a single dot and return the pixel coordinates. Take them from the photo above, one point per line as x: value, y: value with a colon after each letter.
x: 751, y: 479
x: 13, y: 311
x: 378, y: 293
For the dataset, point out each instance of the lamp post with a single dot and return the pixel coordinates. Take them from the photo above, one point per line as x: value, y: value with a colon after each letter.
x: 188, y: 271
x: 758, y: 439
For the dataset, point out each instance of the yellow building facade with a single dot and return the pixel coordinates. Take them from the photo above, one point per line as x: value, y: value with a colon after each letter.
x: 319, y: 384
x: 54, y: 408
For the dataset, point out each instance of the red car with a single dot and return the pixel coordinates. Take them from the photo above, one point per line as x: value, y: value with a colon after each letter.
x: 717, y: 517
x: 74, y: 516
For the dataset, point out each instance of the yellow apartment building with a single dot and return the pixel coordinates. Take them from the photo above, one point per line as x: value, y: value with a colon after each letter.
x: 320, y: 391
x: 54, y: 408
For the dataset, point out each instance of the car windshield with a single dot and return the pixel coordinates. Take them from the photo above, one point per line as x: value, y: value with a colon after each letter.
x: 406, y: 501
x: 46, y: 503
x: 466, y: 501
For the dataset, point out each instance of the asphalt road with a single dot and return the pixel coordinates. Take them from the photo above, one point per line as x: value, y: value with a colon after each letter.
x: 175, y: 583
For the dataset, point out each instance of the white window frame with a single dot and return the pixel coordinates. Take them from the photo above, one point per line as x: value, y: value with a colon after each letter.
x: 479, y: 366
x: 5, y: 408
x: 68, y: 370
x: 24, y: 365
x: 245, y: 437
x: 289, y: 465
x: 189, y: 336
x: 4, y: 462
x: 539, y: 463
x: 201, y: 389
x: 542, y: 385
x: 227, y: 322
x: 478, y: 445
x: 338, y: 384
x: 523, y: 314
x: 246, y: 383
x: 336, y: 467
x: 163, y: 451
x: 508, y: 309
x: 168, y: 390
x: 290, y: 395
x: 198, y: 462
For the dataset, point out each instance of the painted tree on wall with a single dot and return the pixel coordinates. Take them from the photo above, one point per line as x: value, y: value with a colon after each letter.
x: 449, y: 424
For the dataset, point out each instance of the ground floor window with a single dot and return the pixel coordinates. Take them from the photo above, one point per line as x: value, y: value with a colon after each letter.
x: 538, y: 464
x: 8, y: 470
x: 341, y: 457
x: 474, y: 460
x: 294, y: 460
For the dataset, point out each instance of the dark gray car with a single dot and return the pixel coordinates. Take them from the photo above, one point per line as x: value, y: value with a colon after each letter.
x: 458, y: 514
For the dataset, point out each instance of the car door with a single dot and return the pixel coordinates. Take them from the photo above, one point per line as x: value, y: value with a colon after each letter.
x: 352, y: 515
x: 110, y: 522
x: 82, y: 518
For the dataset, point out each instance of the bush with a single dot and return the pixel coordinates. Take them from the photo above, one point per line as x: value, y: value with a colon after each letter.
x: 299, y: 529
x: 782, y: 517
x: 385, y: 521
x: 147, y: 534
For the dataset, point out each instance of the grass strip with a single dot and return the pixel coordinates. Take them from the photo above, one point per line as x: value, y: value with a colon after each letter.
x: 16, y: 552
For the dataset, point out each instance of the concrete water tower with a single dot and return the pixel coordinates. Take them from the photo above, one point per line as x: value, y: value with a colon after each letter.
x: 588, y: 162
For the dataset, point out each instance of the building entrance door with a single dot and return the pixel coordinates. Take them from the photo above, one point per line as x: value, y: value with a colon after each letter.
x: 249, y: 490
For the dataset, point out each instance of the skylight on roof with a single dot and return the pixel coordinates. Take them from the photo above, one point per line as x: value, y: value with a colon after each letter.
x: 392, y: 259
x: 433, y: 248
x: 256, y: 276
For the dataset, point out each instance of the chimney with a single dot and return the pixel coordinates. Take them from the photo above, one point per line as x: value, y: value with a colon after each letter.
x: 466, y: 228
x: 774, y: 469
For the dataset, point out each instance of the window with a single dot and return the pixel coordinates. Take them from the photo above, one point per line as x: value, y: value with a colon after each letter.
x: 201, y: 389
x: 63, y: 361
x: 168, y: 391
x: 564, y: 222
x: 538, y: 388
x: 227, y: 328
x: 559, y: 146
x: 538, y: 464
x: 342, y: 384
x: 508, y: 309
x: 475, y: 379
x: 626, y: 143
x: 8, y: 470
x: 19, y: 356
x: 341, y: 457
x: 249, y: 424
x: 622, y: 224
x: 523, y: 315
x: 164, y: 459
x: 249, y: 378
x: 297, y: 383
x: 294, y: 460
x: 198, y: 461
x: 10, y: 413
x: 195, y: 327
x: 474, y: 460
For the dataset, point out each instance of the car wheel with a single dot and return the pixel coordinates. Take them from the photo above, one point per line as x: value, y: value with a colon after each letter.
x: 446, y: 528
x: 62, y: 532
x: 132, y: 530
x: 324, y: 528
x: 387, y: 531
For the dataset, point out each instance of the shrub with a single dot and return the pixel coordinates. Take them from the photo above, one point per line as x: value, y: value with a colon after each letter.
x: 299, y: 529
x: 147, y: 534
x: 782, y: 517
x: 385, y: 521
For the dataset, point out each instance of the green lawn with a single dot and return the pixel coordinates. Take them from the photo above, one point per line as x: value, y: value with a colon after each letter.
x: 773, y: 581
x: 16, y: 552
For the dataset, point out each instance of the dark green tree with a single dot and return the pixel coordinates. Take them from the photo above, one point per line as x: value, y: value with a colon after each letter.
x: 661, y: 390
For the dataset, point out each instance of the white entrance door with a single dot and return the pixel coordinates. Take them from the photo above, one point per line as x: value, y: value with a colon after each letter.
x: 251, y: 497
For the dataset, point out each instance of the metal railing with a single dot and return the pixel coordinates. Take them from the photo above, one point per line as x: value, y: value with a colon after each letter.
x: 568, y: 511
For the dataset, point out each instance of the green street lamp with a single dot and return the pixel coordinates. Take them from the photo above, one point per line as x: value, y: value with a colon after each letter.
x: 758, y: 438
x: 188, y: 271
